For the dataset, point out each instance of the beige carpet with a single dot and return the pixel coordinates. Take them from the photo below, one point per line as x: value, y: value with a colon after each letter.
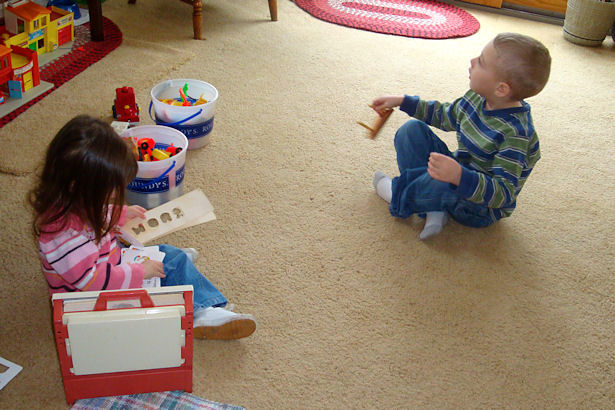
x: 353, y: 310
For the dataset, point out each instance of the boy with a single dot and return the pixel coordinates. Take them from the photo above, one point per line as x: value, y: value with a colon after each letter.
x: 497, y: 144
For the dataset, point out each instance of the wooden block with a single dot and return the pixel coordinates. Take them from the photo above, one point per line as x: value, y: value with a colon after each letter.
x: 378, y: 123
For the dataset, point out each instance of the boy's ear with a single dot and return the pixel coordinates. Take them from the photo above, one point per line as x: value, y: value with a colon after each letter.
x: 503, y: 90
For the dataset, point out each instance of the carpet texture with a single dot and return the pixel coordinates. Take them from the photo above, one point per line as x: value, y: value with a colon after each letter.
x: 353, y: 310
x: 410, y: 18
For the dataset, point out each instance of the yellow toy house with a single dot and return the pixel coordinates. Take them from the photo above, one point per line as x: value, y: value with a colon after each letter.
x: 38, y: 28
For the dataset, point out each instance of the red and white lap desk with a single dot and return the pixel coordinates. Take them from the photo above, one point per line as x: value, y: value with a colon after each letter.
x: 120, y: 342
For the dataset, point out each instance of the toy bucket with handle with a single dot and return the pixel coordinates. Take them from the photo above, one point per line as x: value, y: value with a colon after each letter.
x: 158, y: 182
x: 194, y: 121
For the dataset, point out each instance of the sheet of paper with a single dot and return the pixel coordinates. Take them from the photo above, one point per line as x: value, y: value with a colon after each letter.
x: 11, y: 371
x: 133, y: 254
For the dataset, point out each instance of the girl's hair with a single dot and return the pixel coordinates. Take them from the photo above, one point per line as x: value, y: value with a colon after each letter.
x: 524, y: 62
x: 86, y: 170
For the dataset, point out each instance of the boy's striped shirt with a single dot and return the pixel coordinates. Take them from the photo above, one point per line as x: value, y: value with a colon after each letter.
x: 497, y: 149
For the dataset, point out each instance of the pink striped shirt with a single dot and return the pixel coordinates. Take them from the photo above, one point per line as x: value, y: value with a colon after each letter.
x: 73, y: 261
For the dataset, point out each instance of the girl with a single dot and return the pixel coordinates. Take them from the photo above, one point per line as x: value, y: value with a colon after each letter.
x: 78, y: 201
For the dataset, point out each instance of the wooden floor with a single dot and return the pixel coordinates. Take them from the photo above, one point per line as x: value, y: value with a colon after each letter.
x: 516, y: 10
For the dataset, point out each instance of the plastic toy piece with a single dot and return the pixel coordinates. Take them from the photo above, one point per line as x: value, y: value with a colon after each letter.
x: 124, y: 107
x: 185, y: 101
x: 378, y: 123
x: 173, y: 150
x: 160, y: 154
x: 146, y: 145
x: 201, y: 100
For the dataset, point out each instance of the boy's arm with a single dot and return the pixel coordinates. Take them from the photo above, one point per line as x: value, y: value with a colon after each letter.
x: 440, y: 115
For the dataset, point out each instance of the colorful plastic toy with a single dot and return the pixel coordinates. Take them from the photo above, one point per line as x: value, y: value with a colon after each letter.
x: 173, y: 150
x: 30, y: 25
x: 184, y: 99
x: 124, y: 107
x: 146, y: 150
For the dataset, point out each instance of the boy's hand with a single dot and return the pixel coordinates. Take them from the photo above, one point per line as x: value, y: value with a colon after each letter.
x: 135, y: 211
x: 444, y: 168
x: 381, y: 104
x: 153, y: 268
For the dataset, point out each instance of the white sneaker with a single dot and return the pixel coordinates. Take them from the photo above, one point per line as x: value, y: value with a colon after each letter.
x: 192, y: 253
x: 220, y: 324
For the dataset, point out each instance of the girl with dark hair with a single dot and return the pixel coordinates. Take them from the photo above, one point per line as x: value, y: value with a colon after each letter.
x: 78, y: 203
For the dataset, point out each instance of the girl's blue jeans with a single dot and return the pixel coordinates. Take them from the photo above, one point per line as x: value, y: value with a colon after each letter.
x: 179, y: 270
x: 415, y: 192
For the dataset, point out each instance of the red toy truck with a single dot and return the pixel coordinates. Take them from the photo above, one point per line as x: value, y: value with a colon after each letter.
x: 124, y: 107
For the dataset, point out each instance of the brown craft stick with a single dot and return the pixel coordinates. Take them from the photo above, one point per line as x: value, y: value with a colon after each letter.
x: 378, y: 123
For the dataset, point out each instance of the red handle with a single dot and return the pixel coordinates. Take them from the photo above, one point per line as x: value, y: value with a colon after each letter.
x: 141, y: 294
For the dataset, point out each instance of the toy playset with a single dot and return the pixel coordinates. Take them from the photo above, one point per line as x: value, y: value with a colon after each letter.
x: 38, y: 28
x: 29, y: 30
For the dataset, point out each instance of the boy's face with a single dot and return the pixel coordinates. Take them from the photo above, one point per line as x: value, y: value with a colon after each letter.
x: 484, y: 77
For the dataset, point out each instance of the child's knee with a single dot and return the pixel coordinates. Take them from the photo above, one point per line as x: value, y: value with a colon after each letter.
x: 410, y: 134
x: 410, y: 130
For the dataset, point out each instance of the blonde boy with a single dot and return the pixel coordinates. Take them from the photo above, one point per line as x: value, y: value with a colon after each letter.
x: 497, y: 145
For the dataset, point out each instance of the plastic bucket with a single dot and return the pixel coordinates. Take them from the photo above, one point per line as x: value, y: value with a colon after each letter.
x: 158, y: 182
x: 587, y: 22
x: 195, y: 122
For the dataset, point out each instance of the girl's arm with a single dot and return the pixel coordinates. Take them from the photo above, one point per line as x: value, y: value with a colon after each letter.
x: 72, y: 261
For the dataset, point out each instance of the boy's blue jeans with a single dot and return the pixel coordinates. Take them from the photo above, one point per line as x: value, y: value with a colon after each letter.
x: 179, y: 270
x: 414, y: 191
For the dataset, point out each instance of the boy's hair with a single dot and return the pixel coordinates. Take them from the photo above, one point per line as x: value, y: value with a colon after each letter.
x: 524, y: 63
x: 86, y: 170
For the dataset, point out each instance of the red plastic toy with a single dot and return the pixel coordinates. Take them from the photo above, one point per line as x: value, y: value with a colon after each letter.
x: 124, y: 107
x: 173, y: 150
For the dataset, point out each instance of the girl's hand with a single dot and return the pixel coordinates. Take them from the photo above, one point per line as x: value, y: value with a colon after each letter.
x: 153, y: 268
x: 444, y: 168
x: 135, y: 211
x: 381, y: 104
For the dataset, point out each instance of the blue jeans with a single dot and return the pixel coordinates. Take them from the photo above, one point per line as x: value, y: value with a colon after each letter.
x: 179, y: 270
x: 414, y: 191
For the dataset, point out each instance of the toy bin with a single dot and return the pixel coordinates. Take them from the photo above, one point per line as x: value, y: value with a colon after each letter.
x: 195, y: 121
x: 158, y: 182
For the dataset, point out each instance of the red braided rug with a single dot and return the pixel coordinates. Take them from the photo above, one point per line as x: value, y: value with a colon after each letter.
x: 410, y: 18
x: 84, y: 53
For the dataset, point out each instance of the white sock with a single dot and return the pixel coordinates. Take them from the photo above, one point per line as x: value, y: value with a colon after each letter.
x: 434, y: 221
x: 382, y: 183
x: 192, y: 254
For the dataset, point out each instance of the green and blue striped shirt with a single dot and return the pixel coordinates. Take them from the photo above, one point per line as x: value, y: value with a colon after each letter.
x: 497, y: 149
